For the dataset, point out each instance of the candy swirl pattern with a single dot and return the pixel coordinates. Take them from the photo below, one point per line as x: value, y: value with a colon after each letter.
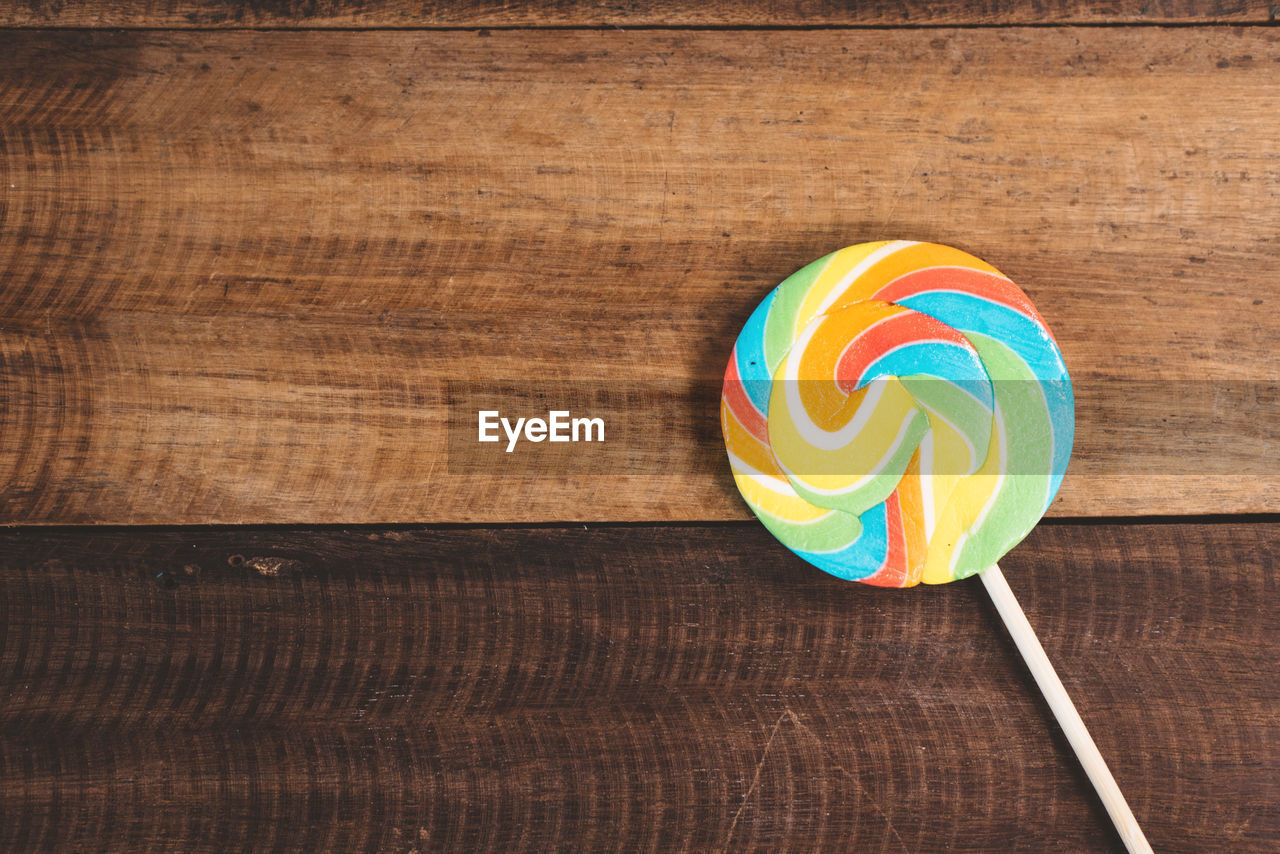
x: 897, y: 413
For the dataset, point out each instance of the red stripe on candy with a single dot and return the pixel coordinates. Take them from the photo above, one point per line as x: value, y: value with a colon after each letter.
x: 965, y: 280
x: 894, y: 569
x: 909, y: 327
x: 735, y: 395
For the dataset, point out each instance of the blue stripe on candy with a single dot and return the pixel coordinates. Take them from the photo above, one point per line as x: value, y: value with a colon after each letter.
x: 864, y: 556
x: 969, y: 313
x: 942, y: 359
x: 1062, y: 407
x: 1030, y: 341
x: 752, y: 369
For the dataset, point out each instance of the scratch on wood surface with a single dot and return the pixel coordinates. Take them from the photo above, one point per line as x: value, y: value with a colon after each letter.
x: 786, y: 715
x: 755, y: 780
x: 272, y: 566
x: 853, y: 778
x: 947, y: 121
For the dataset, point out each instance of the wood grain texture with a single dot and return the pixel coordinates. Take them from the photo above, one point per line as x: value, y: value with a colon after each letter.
x: 237, y: 270
x: 646, y: 688
x: 589, y: 13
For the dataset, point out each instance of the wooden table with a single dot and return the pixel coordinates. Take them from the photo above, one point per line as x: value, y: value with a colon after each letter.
x: 255, y: 259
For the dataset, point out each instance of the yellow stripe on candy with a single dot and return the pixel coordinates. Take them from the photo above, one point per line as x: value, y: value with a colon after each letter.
x: 944, y: 460
x: 966, y: 505
x: 771, y: 500
x: 909, y: 258
x: 911, y: 506
x: 841, y: 266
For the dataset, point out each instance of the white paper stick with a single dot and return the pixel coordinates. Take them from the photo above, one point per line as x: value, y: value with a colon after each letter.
x: 1063, y: 709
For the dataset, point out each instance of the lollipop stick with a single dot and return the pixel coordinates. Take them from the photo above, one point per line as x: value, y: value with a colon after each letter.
x: 1063, y: 709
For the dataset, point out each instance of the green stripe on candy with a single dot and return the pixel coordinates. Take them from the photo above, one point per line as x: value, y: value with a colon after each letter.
x: 1020, y: 500
x: 780, y: 326
x: 827, y: 534
x: 963, y: 410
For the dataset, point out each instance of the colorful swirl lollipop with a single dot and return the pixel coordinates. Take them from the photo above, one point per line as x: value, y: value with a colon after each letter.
x: 898, y: 412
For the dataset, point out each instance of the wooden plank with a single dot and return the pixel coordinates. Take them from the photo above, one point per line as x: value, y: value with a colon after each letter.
x: 238, y: 271
x: 588, y: 13
x: 646, y: 688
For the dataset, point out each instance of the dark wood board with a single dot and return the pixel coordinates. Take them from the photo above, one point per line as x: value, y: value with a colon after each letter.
x: 628, y: 13
x: 623, y: 688
x: 239, y: 270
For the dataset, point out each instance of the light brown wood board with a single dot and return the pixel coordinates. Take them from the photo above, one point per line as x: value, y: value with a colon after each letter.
x: 239, y: 270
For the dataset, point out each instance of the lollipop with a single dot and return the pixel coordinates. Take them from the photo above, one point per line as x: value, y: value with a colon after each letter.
x: 897, y: 413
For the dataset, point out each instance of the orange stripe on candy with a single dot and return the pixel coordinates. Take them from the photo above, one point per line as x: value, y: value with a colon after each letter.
x: 917, y: 256
x: 747, y: 447
x: 911, y: 500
